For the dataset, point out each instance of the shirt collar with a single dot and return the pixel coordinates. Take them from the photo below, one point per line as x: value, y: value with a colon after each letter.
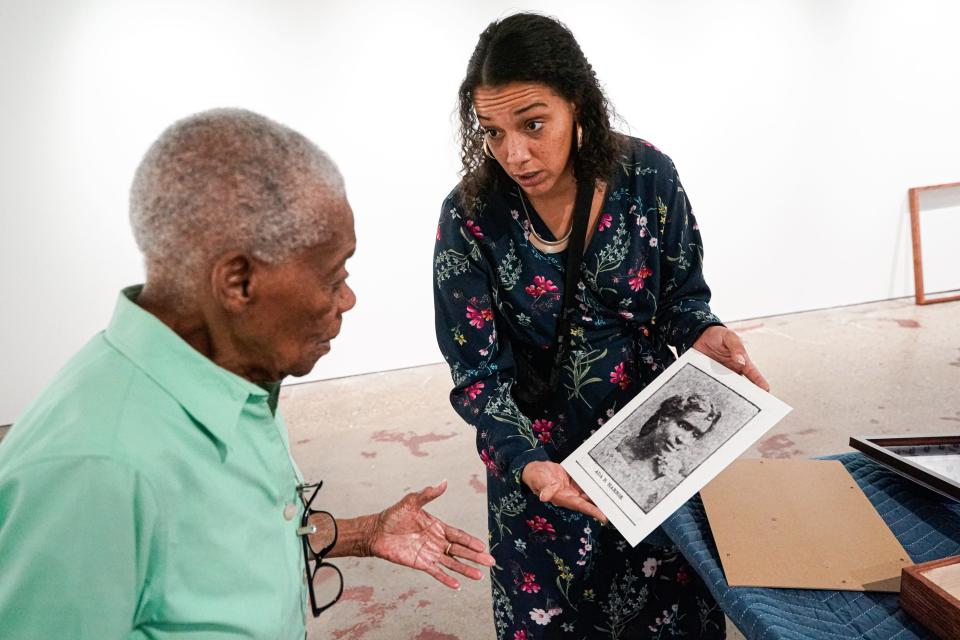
x: 213, y: 396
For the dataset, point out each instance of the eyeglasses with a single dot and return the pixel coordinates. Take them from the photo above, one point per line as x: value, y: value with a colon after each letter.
x: 318, y: 533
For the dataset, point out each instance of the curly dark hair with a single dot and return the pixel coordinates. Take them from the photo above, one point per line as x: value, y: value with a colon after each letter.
x: 527, y: 47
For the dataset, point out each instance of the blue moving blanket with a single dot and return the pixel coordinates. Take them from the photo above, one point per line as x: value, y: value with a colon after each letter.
x: 927, y: 525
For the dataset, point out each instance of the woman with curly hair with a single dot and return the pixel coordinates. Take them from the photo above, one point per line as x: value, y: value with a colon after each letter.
x: 549, y: 332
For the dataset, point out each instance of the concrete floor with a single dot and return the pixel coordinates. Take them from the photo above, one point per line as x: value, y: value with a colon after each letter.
x: 881, y: 368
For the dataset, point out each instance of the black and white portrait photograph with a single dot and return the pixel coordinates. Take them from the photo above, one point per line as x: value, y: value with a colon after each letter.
x: 675, y: 436
x: 664, y: 439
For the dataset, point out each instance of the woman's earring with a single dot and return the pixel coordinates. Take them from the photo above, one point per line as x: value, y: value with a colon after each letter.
x: 579, y: 136
x: 486, y: 150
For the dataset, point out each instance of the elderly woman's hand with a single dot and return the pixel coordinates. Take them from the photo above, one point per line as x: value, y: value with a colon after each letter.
x: 407, y: 535
x: 724, y: 346
x: 553, y: 484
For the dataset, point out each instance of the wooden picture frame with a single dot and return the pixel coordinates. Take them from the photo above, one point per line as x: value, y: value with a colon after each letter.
x: 904, y: 454
x: 914, y: 198
x: 928, y: 600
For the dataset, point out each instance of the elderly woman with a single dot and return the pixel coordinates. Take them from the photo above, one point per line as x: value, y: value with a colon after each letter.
x: 536, y: 372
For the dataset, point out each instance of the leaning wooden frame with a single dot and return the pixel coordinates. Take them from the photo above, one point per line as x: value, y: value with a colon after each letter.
x: 914, y: 197
x: 932, y: 461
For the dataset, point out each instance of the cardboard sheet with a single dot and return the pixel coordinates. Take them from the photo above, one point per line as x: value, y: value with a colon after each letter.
x: 800, y: 524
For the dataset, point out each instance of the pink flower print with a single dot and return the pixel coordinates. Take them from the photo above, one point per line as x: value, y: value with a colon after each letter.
x: 653, y: 242
x: 486, y: 456
x: 605, y: 221
x: 474, y: 390
x: 540, y: 616
x: 474, y: 228
x: 520, y: 635
x: 438, y: 232
x: 696, y: 227
x: 636, y: 281
x: 543, y: 428
x: 540, y: 286
x: 546, y: 284
x: 478, y: 317
x: 529, y: 583
x: 539, y: 524
x: 543, y: 617
x: 650, y: 567
x: 619, y: 377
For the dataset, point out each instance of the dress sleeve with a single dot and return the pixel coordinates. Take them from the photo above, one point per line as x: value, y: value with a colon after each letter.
x: 684, y: 305
x: 75, y: 540
x: 480, y: 360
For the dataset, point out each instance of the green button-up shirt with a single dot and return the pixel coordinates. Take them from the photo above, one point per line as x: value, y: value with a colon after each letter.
x: 149, y: 493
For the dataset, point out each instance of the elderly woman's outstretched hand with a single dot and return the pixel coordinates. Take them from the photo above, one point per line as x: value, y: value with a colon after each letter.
x: 724, y: 346
x: 553, y: 484
x: 407, y: 535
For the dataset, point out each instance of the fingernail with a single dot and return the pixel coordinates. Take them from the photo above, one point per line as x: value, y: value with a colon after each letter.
x: 741, y: 360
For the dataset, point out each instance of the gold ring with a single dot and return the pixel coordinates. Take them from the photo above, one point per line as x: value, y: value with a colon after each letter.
x: 446, y: 551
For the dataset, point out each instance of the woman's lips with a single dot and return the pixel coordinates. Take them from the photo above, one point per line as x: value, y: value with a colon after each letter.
x: 529, y: 179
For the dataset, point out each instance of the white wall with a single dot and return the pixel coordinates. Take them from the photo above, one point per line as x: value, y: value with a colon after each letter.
x: 797, y: 127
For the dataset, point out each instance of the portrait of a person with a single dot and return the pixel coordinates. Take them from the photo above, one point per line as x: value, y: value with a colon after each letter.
x: 661, y: 453
x: 676, y: 424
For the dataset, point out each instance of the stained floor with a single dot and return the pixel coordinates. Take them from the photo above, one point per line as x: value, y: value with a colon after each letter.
x: 881, y: 368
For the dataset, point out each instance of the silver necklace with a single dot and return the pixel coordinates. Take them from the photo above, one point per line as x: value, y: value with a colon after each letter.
x: 541, y: 243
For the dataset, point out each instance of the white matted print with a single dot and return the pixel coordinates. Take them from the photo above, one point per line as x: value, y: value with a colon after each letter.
x: 683, y: 429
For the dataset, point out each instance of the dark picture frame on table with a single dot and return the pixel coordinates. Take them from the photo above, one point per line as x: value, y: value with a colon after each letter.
x: 931, y: 461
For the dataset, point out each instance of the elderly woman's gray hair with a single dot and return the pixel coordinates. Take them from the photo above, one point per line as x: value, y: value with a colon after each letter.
x: 229, y: 180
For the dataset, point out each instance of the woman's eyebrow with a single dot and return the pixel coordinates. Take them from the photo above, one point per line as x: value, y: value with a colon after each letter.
x: 519, y: 111
x: 528, y: 107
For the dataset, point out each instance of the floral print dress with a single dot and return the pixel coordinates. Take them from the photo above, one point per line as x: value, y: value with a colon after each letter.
x: 560, y: 574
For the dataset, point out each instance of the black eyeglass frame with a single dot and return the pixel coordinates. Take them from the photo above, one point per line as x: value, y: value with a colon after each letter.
x: 307, y: 528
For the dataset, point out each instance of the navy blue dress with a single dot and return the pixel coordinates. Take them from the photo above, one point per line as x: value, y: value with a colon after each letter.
x: 560, y: 574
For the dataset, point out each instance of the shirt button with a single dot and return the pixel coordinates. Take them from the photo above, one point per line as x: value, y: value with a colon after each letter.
x: 290, y: 511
